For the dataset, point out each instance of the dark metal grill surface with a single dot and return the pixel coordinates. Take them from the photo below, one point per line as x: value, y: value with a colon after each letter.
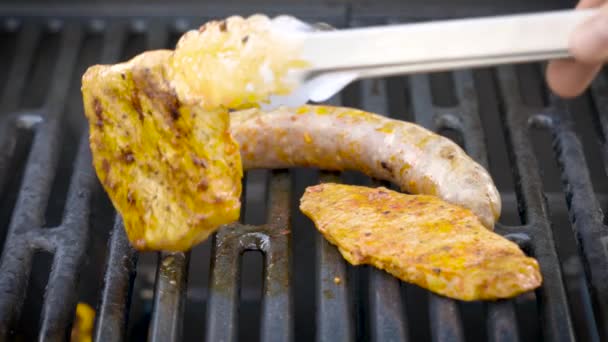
x: 41, y: 121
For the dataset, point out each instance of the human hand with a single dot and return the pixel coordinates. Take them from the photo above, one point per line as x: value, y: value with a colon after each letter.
x: 589, y: 46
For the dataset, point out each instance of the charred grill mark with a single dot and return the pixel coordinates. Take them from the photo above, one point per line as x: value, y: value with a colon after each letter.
x: 202, y: 185
x: 105, y: 165
x: 127, y: 156
x: 98, y: 109
x: 387, y: 167
x: 174, y: 112
x: 199, y: 161
x: 137, y: 105
x: 158, y: 91
x: 223, y: 26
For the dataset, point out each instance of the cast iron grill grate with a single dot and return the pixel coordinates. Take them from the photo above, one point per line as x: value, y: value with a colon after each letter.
x: 50, y: 202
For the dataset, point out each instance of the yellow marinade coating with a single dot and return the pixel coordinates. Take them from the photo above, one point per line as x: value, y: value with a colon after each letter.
x: 422, y: 240
x: 171, y: 169
x: 159, y: 129
x: 84, y: 321
x: 235, y: 63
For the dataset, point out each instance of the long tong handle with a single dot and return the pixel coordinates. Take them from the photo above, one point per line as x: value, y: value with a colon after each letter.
x: 396, y: 49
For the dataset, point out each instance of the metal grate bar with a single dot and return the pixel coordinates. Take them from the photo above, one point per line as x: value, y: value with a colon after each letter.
x: 169, y: 297
x: 223, y: 291
x: 60, y: 295
x: 27, y: 215
x: 388, y: 320
x: 599, y: 89
x: 445, y: 319
x: 273, y: 240
x: 113, y: 42
x: 466, y: 116
x: 585, y: 212
x: 277, y: 321
x: 84, y: 180
x: 554, y: 311
x: 502, y: 323
x: 22, y: 62
x: 530, y: 195
x: 113, y: 311
x: 62, y: 76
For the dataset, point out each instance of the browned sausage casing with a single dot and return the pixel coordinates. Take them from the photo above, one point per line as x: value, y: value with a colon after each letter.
x: 337, y: 138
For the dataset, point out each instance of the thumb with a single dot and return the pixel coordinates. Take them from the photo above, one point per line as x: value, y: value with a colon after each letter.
x: 589, y: 43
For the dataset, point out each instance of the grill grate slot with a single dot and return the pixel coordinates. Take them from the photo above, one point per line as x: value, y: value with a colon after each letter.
x: 29, y: 323
x: 273, y: 240
x: 250, y: 296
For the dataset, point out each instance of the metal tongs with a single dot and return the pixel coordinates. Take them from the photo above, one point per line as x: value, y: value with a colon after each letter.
x: 339, y: 57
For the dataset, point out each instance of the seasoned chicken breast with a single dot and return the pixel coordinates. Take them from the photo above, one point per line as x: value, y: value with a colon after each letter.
x: 420, y: 239
x: 171, y: 169
x: 159, y: 128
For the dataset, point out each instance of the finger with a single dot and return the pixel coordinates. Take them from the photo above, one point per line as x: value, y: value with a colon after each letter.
x: 568, y: 78
x: 589, y: 42
x: 589, y: 3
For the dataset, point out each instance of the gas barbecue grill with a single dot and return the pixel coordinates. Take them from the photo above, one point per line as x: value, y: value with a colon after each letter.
x: 272, y: 277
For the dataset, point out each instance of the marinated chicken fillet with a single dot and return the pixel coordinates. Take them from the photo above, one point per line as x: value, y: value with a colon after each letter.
x: 159, y: 128
x: 422, y: 240
x: 334, y: 138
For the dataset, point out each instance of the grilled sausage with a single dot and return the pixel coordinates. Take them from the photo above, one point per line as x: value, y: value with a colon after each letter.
x: 335, y: 138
